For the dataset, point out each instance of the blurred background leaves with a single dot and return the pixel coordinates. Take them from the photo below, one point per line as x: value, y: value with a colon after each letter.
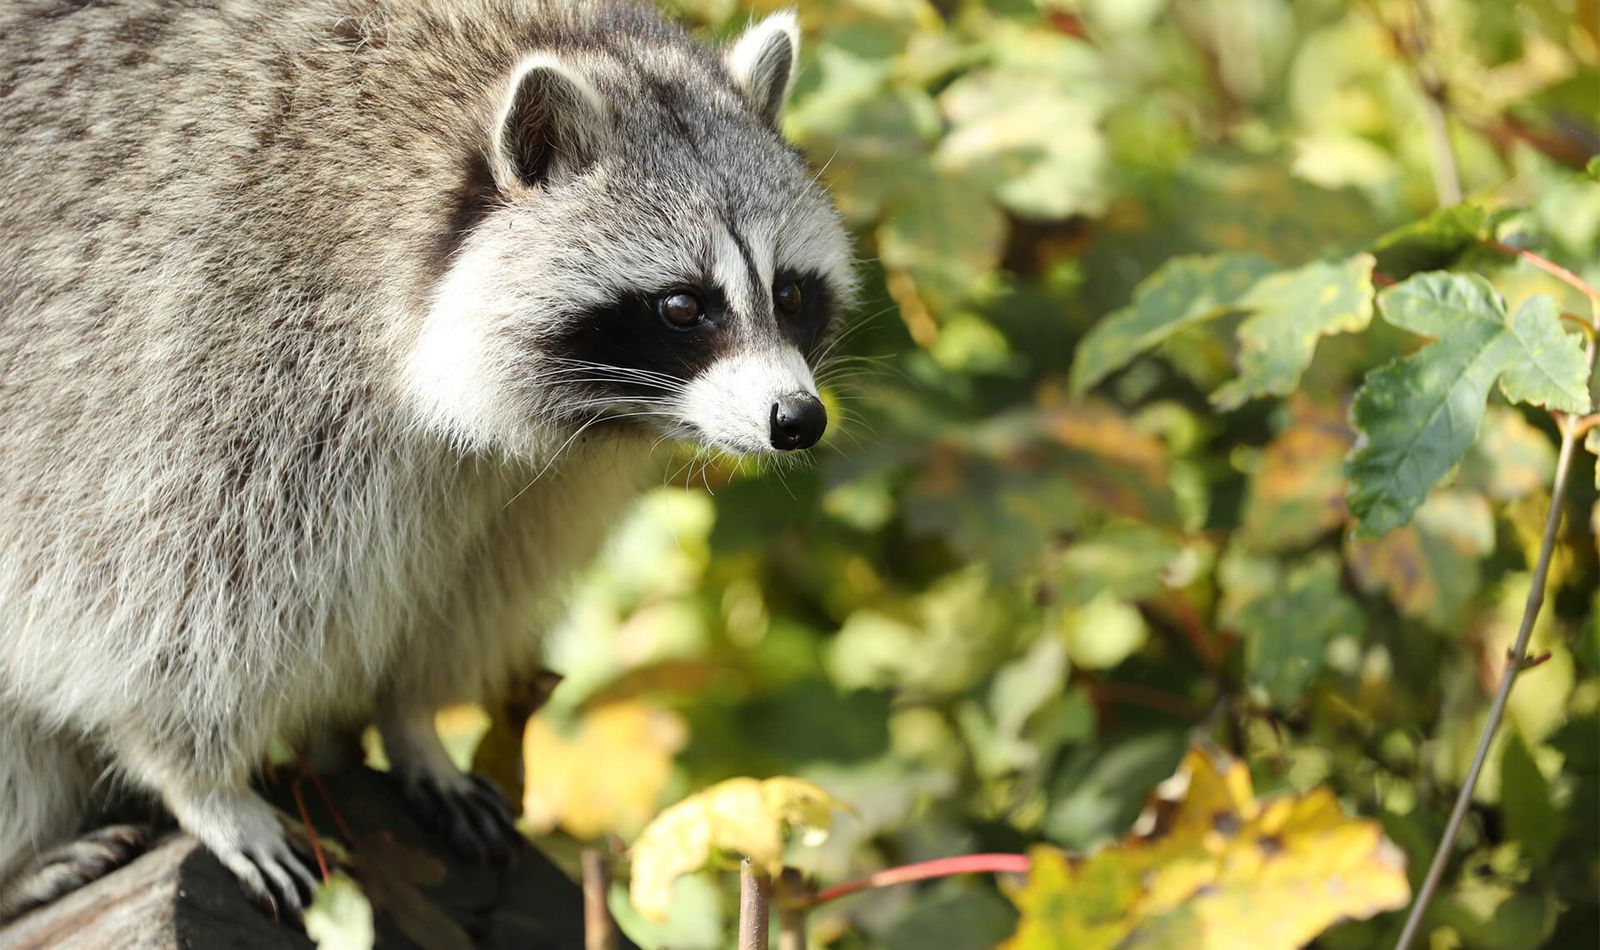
x: 1079, y: 509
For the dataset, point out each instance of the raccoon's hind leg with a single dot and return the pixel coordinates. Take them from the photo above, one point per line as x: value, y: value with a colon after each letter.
x: 45, y: 782
x: 465, y: 808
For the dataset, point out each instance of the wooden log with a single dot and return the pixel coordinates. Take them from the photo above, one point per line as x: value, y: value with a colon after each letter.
x: 178, y: 897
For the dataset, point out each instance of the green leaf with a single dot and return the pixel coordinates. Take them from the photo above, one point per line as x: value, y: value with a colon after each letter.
x: 1291, y: 310
x: 1593, y: 168
x: 1434, y: 241
x: 946, y: 232
x: 1183, y: 292
x: 1531, y: 817
x: 1036, y: 144
x: 1416, y: 417
x: 1548, y: 370
x: 1287, y: 631
x: 340, y: 918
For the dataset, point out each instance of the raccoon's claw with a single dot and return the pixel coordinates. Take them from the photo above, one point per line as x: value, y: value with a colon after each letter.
x: 468, y: 810
x: 280, y: 876
x: 70, y: 866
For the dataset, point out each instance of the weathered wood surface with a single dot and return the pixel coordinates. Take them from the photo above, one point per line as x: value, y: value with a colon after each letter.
x: 179, y: 897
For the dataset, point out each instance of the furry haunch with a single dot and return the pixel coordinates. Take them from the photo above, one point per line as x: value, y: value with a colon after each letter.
x: 334, y: 337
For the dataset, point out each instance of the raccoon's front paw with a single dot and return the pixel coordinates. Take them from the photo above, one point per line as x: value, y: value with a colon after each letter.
x: 71, y: 866
x: 466, y: 809
x: 273, y: 863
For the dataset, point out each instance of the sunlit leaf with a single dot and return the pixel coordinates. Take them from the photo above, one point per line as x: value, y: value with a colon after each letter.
x: 741, y: 817
x: 1215, y: 868
x: 340, y: 916
x: 1416, y: 417
x: 1289, y: 312
x: 1035, y: 143
x: 1185, y: 291
x: 607, y: 777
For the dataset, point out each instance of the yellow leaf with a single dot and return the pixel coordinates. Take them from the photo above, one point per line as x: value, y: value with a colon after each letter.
x: 1214, y: 867
x: 741, y: 816
x: 606, y: 778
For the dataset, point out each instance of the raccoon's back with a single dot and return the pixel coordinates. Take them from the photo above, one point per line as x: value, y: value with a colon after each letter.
x: 216, y: 224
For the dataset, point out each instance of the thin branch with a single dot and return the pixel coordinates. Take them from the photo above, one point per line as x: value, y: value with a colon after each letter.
x: 599, y: 930
x: 1518, y: 658
x: 753, y: 911
x: 1549, y: 267
x: 1580, y: 427
x: 924, y: 870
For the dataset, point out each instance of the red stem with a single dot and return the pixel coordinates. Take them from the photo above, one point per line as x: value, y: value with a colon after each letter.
x: 924, y: 870
x: 311, y: 833
x: 1549, y: 267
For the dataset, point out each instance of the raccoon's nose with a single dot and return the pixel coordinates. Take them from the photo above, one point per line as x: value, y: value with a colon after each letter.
x: 797, y: 421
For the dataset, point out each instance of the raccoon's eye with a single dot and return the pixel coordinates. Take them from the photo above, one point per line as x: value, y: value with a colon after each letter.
x: 787, y: 298
x: 681, y: 310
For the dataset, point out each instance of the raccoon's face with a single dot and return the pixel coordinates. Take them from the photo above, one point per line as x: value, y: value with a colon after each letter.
x: 648, y: 253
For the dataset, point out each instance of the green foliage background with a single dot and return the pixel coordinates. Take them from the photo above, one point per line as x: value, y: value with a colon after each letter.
x: 1034, y: 561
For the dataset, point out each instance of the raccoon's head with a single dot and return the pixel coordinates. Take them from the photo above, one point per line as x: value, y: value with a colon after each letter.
x: 647, y: 252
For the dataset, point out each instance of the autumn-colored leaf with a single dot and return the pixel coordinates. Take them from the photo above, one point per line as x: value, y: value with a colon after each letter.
x: 1297, y: 491
x: 1214, y: 867
x: 741, y: 817
x: 1430, y: 568
x: 607, y: 777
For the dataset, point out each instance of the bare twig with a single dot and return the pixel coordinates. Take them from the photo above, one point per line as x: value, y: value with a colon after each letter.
x: 599, y: 930
x: 754, y: 887
x: 1518, y: 658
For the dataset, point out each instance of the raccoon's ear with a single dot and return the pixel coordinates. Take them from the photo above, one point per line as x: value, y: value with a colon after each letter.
x: 762, y: 62
x: 553, y: 122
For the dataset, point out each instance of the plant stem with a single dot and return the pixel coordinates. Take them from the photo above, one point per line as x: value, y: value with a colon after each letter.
x: 921, y: 871
x: 1549, y: 267
x: 1518, y: 657
x: 753, y: 888
x: 599, y: 930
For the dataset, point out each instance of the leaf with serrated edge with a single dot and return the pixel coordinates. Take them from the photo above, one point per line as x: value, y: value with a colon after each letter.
x: 1549, y: 370
x: 1291, y: 311
x: 1183, y: 292
x: 1416, y: 417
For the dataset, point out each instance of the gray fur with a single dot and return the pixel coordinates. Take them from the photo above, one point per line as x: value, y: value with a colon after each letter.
x: 282, y: 438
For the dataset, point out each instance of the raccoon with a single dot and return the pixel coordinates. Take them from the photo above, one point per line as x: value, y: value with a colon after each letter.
x: 335, y: 335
